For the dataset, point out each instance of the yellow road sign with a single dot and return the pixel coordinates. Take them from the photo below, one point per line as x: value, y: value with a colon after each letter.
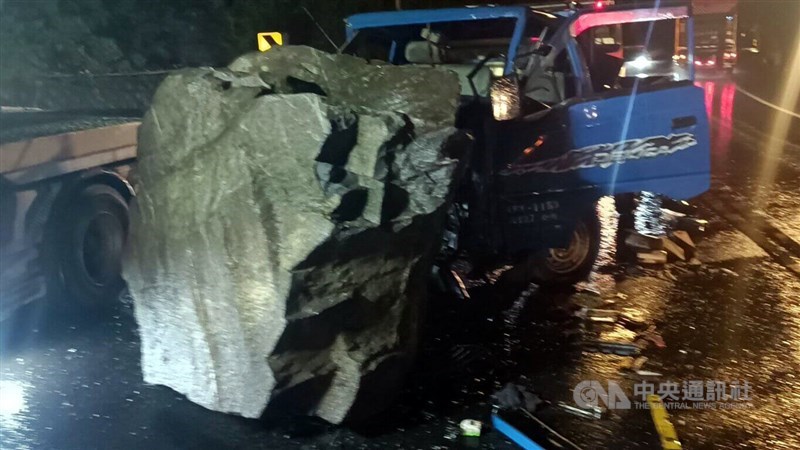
x: 268, y: 40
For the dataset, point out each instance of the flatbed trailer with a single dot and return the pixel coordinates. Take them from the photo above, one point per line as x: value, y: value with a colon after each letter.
x: 63, y: 205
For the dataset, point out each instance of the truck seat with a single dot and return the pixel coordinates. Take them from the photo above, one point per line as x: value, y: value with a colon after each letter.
x: 424, y: 52
x: 482, y: 79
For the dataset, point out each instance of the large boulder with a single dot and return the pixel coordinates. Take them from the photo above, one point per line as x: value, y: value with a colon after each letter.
x: 288, y: 211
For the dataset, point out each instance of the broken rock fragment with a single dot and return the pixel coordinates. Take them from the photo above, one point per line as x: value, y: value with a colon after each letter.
x: 685, y: 241
x: 656, y: 257
x: 674, y: 251
x: 287, y: 215
x: 643, y: 242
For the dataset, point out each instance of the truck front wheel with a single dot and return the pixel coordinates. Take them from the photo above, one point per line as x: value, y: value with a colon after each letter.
x: 564, y: 266
x: 85, y: 247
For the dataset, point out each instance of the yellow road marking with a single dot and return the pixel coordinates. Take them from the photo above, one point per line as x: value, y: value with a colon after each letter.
x: 666, y: 431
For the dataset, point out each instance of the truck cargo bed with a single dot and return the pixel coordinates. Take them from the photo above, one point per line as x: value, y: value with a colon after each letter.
x: 38, y: 145
x: 21, y: 126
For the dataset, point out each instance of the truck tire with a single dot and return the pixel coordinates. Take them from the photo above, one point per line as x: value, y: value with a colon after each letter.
x: 557, y: 266
x: 84, y: 247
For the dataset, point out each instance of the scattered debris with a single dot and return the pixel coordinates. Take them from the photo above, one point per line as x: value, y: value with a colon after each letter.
x: 634, y: 270
x: 455, y: 284
x: 670, y: 217
x: 681, y: 207
x: 514, y: 396
x: 572, y: 334
x: 642, y: 242
x: 656, y: 257
x: 631, y: 323
x: 694, y: 262
x: 667, y: 275
x: 597, y: 315
x: 695, y: 227
x: 594, y: 412
x: 471, y: 428
x: 729, y: 272
x: 514, y: 417
x: 588, y: 290
x: 647, y: 373
x: 639, y: 362
x: 616, y: 348
x: 678, y: 246
x: 634, y: 365
x: 673, y: 249
x: 681, y: 269
x: 450, y: 432
x: 651, y: 336
x: 683, y: 239
x: 527, y: 431
x: 603, y: 319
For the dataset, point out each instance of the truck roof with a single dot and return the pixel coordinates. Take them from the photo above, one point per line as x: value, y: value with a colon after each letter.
x: 409, y: 17
x: 555, y: 11
x: 464, y: 13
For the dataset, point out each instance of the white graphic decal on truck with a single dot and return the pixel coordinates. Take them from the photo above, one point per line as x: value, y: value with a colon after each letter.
x: 607, y: 155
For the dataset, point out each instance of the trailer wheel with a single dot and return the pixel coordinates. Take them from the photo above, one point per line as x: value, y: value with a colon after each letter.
x: 85, y: 247
x: 564, y: 266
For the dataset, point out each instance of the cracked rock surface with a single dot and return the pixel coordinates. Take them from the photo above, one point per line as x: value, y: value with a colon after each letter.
x: 288, y: 210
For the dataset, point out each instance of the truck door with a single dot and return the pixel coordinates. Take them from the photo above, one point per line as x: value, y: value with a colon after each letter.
x: 643, y: 127
x: 647, y: 138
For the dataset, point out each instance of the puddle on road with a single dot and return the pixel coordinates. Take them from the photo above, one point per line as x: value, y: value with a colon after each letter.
x: 742, y: 148
x: 729, y: 245
x: 784, y: 209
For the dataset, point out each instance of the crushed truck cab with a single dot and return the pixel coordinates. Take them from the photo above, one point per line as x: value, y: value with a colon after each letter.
x: 566, y: 105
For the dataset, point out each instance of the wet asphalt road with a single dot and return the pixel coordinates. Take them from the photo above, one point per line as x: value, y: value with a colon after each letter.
x: 74, y: 382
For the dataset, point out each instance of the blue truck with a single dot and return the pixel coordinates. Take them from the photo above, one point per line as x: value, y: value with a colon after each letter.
x: 562, y: 112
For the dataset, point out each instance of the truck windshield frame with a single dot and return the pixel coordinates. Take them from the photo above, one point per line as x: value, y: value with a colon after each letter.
x: 358, y: 22
x: 622, y: 14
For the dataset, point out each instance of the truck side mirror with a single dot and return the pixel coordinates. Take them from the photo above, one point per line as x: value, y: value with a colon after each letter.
x: 505, y: 97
